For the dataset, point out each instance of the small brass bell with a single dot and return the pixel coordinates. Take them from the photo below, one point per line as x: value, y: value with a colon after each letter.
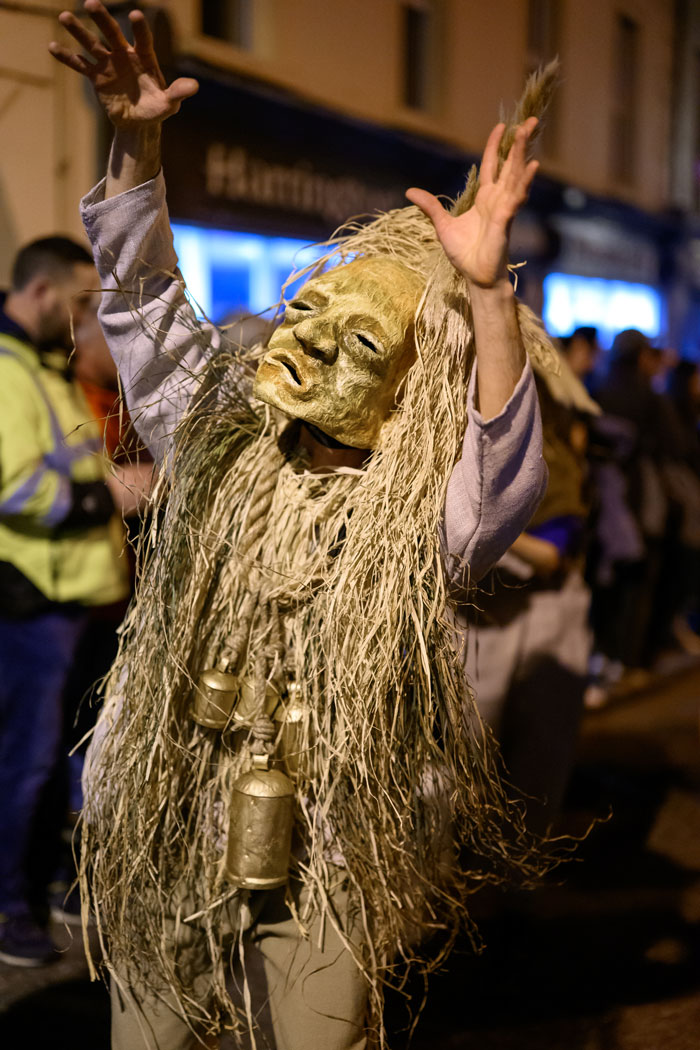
x: 260, y: 828
x: 215, y: 698
x: 291, y: 717
x: 248, y: 707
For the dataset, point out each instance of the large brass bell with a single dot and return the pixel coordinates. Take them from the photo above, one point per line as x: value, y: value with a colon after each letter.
x: 260, y: 827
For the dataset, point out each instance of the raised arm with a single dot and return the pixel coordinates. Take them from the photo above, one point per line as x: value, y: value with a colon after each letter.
x: 476, y: 244
x: 497, y: 484
x: 157, y: 343
x: 130, y: 87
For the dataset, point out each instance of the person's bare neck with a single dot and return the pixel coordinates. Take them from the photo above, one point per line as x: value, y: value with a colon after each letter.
x: 321, y: 457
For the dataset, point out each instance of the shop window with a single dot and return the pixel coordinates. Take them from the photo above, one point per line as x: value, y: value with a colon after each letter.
x: 624, y: 100
x: 229, y: 20
x: 230, y: 290
x: 571, y: 301
x: 228, y: 272
x: 418, y: 41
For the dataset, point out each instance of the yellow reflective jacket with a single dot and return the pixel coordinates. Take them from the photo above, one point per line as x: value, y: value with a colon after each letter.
x: 47, y: 441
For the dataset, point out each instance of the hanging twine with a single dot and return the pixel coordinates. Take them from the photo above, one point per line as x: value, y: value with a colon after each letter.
x: 255, y: 525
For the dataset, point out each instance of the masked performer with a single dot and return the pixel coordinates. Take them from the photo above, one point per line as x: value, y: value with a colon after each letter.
x: 289, y: 656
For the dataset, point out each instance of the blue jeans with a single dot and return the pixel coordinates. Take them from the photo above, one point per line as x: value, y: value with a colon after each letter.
x: 35, y: 657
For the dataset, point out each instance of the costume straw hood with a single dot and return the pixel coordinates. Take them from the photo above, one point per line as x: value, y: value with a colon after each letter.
x: 325, y: 594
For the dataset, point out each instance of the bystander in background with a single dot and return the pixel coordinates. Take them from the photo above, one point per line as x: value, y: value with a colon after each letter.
x: 527, y: 641
x: 60, y: 544
x: 634, y: 449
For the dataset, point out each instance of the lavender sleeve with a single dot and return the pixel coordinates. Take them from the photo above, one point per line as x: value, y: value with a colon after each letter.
x: 496, y: 485
x: 158, y: 344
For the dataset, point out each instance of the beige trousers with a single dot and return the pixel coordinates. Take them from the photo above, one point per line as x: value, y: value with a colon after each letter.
x: 528, y: 675
x: 316, y: 996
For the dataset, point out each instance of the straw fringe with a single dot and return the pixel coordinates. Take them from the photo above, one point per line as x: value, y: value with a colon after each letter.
x: 341, y: 579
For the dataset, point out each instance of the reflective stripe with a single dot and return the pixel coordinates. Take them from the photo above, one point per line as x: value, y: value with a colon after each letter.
x: 59, y: 461
x: 64, y: 456
x: 61, y: 504
x: 81, y: 565
x: 15, y: 503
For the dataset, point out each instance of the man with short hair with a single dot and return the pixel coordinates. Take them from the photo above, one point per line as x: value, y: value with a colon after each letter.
x: 59, y: 555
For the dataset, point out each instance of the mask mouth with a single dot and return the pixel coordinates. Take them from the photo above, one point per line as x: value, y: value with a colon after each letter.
x: 290, y: 369
x: 293, y: 372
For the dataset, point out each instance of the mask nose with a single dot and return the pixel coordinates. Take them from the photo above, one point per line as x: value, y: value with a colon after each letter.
x: 317, y: 340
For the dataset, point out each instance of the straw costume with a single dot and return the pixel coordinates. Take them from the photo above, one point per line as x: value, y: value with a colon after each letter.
x: 325, y: 594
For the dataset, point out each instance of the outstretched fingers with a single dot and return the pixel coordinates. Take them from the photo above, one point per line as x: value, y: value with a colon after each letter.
x: 182, y: 88
x: 76, y: 62
x: 87, y: 39
x: 429, y: 205
x: 530, y: 171
x: 143, y: 38
x: 488, y: 172
x: 107, y: 25
x: 80, y: 32
x: 516, y: 163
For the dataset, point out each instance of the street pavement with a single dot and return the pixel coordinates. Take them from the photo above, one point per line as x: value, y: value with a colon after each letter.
x: 605, y: 956
x: 610, y: 958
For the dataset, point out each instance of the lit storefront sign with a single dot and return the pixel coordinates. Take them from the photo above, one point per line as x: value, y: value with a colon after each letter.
x: 244, y: 155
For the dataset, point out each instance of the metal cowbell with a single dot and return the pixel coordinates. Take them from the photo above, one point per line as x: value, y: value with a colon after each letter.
x: 260, y: 828
x: 215, y: 698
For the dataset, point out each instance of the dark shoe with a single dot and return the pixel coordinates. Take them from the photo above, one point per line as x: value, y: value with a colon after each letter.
x: 23, y: 943
x: 64, y: 902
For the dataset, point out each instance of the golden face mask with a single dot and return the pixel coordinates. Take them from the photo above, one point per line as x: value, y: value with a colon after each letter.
x: 344, y: 346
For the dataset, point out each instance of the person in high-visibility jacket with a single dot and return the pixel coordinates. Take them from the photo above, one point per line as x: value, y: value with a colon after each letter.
x: 60, y: 546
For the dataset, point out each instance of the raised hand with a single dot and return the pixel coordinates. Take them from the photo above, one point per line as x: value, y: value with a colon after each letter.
x: 127, y: 78
x: 476, y: 242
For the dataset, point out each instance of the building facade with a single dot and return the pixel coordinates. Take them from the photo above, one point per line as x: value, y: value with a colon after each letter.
x: 314, y: 110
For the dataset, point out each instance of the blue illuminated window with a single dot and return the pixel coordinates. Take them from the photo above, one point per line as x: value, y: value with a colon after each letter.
x: 231, y: 273
x: 610, y: 306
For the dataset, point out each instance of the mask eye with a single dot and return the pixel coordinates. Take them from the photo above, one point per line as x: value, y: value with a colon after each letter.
x: 366, y: 342
x: 297, y: 309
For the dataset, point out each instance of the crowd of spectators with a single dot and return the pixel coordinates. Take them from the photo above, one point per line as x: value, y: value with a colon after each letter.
x: 643, y: 544
x: 605, y: 582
